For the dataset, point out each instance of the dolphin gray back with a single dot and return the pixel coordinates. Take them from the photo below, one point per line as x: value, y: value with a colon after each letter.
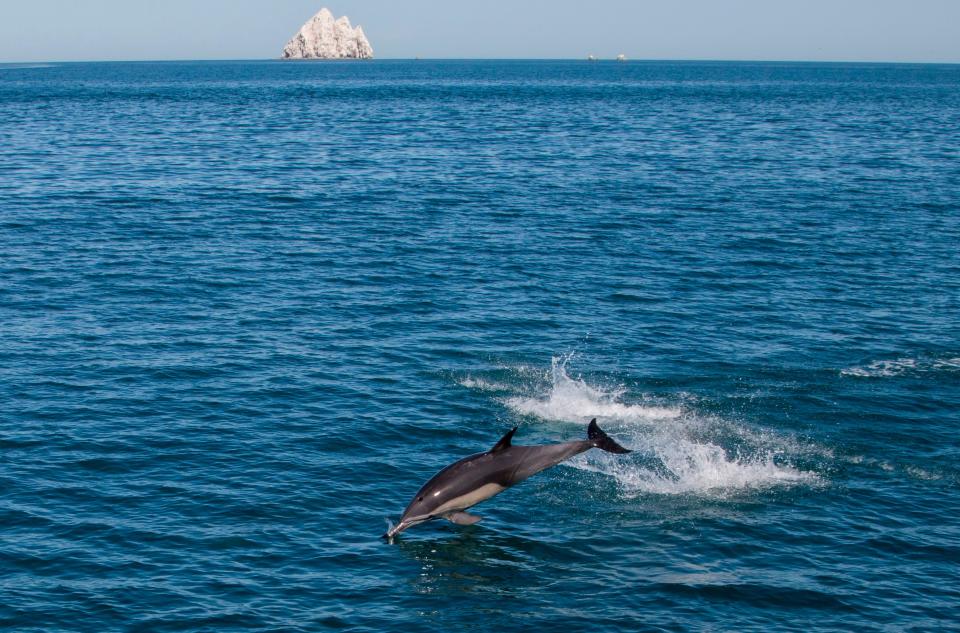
x: 507, y: 465
x: 527, y: 461
x: 478, y: 477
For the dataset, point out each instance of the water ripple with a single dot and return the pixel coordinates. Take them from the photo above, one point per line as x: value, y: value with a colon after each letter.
x: 247, y: 308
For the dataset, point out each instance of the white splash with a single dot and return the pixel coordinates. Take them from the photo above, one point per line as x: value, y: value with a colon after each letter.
x: 689, y: 467
x: 573, y: 400
x: 676, y: 451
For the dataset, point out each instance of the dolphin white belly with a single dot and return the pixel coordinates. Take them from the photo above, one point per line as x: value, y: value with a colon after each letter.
x: 476, y: 478
x: 470, y: 499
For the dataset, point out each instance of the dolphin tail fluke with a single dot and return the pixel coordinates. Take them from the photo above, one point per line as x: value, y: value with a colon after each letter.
x: 603, y: 441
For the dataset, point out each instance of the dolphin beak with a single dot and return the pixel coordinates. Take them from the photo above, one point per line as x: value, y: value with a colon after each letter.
x: 393, y: 530
x: 405, y: 524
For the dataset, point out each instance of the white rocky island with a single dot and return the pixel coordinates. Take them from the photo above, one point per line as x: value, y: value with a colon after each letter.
x: 323, y: 37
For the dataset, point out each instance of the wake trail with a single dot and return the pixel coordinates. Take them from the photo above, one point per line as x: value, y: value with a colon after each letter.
x: 677, y: 451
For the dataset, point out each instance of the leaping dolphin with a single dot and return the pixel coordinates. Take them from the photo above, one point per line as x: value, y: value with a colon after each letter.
x: 466, y: 483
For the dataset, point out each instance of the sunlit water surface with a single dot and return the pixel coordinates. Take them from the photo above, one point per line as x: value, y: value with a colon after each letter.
x: 247, y: 309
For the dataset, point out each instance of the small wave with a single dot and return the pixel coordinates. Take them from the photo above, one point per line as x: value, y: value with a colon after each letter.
x: 947, y: 363
x: 882, y: 368
x: 481, y: 384
x: 25, y: 66
x: 921, y: 473
x: 676, y: 452
x: 913, y: 471
x: 901, y: 366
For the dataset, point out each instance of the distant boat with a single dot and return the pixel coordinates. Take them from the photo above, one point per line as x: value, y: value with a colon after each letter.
x: 621, y: 57
x: 591, y: 58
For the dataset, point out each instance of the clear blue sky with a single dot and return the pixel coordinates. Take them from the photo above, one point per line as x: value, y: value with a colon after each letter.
x: 863, y: 30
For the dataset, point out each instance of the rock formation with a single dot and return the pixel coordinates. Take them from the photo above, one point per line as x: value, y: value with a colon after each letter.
x: 322, y: 37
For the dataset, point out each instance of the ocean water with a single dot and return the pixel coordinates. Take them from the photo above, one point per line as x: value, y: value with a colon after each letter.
x: 248, y: 308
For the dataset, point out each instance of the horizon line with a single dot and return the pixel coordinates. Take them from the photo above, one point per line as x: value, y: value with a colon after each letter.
x: 482, y: 59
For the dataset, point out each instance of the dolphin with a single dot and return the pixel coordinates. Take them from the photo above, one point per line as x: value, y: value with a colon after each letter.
x: 473, y: 479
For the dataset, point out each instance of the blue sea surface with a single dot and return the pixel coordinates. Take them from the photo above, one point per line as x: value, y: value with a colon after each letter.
x: 248, y: 308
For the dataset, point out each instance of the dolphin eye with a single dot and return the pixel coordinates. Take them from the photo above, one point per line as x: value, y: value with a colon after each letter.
x: 420, y: 499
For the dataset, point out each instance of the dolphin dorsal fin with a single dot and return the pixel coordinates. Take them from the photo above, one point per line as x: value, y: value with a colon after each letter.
x: 504, y: 442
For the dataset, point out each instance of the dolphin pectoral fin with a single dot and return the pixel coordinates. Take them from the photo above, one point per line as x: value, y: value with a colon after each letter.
x: 462, y: 518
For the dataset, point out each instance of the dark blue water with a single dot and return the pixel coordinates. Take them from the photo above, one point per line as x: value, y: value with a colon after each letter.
x: 247, y: 309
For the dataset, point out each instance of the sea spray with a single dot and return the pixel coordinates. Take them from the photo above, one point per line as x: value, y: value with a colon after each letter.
x: 679, y: 450
x: 573, y: 400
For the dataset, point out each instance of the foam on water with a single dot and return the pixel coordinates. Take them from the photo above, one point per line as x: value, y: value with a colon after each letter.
x: 700, y: 468
x: 229, y: 351
x: 675, y: 460
x: 882, y: 368
x: 947, y: 363
x: 676, y: 451
x: 901, y: 366
x: 911, y: 470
